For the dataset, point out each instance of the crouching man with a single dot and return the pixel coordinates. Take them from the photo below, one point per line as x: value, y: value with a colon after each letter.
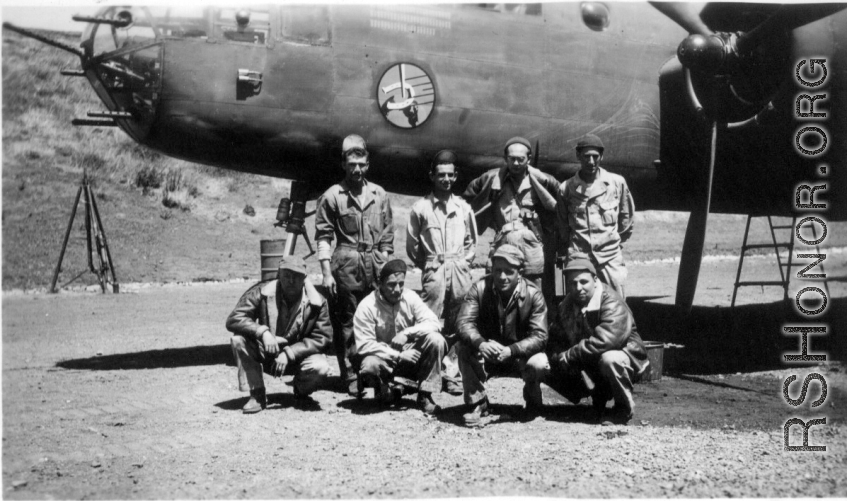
x: 398, y: 336
x: 283, y: 328
x: 503, y: 330
x: 595, y: 349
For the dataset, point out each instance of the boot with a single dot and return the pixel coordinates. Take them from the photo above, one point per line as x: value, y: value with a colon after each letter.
x: 426, y: 404
x: 619, y: 415
x: 533, y: 400
x: 474, y: 417
x: 451, y: 385
x: 257, y: 402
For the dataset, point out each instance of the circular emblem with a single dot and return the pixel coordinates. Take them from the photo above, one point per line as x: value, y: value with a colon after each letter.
x: 405, y: 95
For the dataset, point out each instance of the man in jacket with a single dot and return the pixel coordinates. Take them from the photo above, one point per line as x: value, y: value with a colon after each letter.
x: 397, y: 336
x: 520, y: 198
x: 594, y: 349
x: 441, y: 240
x: 358, y: 215
x: 595, y: 214
x: 283, y: 328
x: 503, y: 330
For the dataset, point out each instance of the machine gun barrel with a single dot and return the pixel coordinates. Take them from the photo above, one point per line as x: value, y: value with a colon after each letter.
x: 49, y: 41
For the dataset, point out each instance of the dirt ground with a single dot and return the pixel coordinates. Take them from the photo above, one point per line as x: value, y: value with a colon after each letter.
x: 134, y: 396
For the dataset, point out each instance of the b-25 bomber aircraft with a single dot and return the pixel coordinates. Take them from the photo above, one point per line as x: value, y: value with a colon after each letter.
x: 685, y: 100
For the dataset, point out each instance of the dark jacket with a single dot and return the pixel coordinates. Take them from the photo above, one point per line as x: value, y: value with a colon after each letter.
x: 523, y: 327
x: 308, y: 331
x: 578, y: 340
x: 483, y: 192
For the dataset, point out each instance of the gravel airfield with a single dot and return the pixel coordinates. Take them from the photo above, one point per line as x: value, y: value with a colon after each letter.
x: 134, y: 396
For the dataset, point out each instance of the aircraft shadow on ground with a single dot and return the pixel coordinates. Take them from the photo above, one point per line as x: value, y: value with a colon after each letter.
x: 742, y: 339
x: 155, y: 359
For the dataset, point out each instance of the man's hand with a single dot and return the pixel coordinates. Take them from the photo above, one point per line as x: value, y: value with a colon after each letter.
x: 410, y: 356
x: 329, y: 283
x: 564, y: 366
x: 280, y: 364
x: 399, y: 341
x: 504, y: 355
x: 490, y: 350
x: 270, y: 344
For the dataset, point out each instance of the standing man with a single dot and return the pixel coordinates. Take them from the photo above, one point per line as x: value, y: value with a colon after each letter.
x: 283, y: 328
x: 441, y: 240
x: 520, y: 199
x: 595, y: 349
x: 398, y: 336
x: 595, y: 214
x: 503, y: 330
x: 357, y: 213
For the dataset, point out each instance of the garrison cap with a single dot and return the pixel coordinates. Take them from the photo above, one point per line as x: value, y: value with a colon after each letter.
x: 581, y: 264
x: 510, y: 253
x: 392, y: 267
x: 517, y: 140
x: 292, y: 263
x: 444, y: 157
x: 590, y: 141
x: 352, y: 142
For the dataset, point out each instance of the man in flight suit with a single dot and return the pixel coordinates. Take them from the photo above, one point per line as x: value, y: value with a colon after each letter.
x: 282, y: 328
x: 503, y: 330
x: 441, y: 240
x: 595, y: 214
x: 594, y: 348
x: 358, y: 214
x: 519, y: 202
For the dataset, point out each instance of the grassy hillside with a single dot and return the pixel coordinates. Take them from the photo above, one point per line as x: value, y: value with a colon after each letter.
x: 169, y: 220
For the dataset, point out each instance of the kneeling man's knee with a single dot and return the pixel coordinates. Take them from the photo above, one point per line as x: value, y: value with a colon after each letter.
x: 536, y: 367
x: 434, y: 339
x: 371, y: 365
x: 237, y: 342
x: 612, y: 360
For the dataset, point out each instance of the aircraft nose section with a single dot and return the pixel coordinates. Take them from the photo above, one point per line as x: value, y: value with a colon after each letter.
x: 123, y: 62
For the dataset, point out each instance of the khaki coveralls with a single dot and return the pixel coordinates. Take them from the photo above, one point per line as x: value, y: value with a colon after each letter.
x: 441, y: 240
x: 365, y: 232
x: 594, y: 220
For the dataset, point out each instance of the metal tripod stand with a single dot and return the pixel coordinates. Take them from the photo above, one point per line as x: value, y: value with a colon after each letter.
x: 95, y: 240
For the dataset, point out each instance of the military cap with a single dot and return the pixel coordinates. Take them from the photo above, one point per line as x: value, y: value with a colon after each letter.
x: 590, y: 141
x: 392, y: 267
x: 517, y: 140
x: 293, y: 263
x: 353, y: 142
x: 581, y: 264
x: 444, y: 157
x: 510, y: 253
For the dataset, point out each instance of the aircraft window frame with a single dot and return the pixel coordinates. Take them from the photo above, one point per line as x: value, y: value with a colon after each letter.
x: 285, y: 16
x: 263, y: 27
x: 528, y: 10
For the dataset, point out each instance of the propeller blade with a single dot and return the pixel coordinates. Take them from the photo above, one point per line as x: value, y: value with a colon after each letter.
x: 682, y: 14
x: 785, y: 19
x: 695, y: 239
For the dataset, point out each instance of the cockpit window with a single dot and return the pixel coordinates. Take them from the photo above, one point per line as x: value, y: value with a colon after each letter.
x: 528, y: 9
x: 245, y: 25
x: 307, y: 24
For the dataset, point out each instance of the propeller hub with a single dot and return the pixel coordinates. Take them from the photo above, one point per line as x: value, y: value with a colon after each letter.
x: 703, y: 54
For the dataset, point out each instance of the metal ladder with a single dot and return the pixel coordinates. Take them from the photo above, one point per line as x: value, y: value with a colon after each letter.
x: 784, y: 275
